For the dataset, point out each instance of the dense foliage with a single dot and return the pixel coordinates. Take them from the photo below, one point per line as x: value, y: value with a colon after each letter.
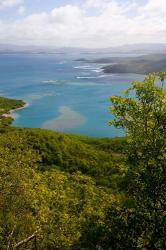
x: 61, y: 191
x: 55, y: 184
x: 6, y: 105
x: 144, y: 119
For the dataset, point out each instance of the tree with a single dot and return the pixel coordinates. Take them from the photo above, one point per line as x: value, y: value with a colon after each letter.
x: 142, y: 114
x: 17, y: 170
x: 47, y: 208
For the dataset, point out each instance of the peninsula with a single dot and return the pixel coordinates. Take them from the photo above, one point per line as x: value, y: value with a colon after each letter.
x: 138, y: 65
x: 7, y: 106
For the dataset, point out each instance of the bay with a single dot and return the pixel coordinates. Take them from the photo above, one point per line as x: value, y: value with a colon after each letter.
x: 62, y: 94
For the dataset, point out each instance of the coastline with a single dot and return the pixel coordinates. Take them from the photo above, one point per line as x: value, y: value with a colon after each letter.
x: 11, y: 113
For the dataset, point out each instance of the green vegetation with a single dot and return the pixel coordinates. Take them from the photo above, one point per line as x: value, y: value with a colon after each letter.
x: 144, y: 119
x: 6, y: 105
x: 64, y: 191
x: 139, y: 65
x: 52, y: 183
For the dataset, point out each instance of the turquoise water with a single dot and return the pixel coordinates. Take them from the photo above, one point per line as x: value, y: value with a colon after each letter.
x: 63, y: 94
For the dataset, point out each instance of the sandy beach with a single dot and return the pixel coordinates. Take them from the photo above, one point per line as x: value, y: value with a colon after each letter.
x: 13, y: 111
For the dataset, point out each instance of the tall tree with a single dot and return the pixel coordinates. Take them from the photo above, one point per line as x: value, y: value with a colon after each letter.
x: 142, y: 114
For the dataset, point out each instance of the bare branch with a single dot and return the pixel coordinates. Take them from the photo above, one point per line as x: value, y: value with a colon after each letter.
x: 19, y: 244
x: 10, y: 237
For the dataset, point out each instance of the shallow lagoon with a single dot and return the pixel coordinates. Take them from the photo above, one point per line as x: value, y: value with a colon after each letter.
x: 63, y: 94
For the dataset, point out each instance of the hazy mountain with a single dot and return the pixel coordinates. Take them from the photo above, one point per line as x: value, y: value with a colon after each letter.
x: 137, y: 48
x: 133, y: 48
x: 126, y: 64
x: 139, y: 65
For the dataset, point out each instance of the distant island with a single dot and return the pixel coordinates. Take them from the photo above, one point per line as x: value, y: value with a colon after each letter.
x: 142, y: 48
x: 139, y: 65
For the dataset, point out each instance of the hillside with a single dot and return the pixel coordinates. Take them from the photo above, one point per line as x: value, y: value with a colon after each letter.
x: 138, y: 65
x: 69, y: 192
x: 69, y: 152
x: 55, y: 182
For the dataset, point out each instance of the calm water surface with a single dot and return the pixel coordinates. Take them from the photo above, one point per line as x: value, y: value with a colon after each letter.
x: 63, y: 94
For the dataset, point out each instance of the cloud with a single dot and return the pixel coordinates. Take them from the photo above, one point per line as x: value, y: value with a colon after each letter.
x: 97, y: 4
x: 66, y: 14
x: 95, y: 23
x: 155, y: 6
x: 21, y: 10
x: 9, y: 3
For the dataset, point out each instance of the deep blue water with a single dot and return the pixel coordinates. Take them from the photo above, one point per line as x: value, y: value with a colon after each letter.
x: 63, y: 94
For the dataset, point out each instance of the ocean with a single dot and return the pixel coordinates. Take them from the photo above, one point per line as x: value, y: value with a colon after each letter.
x: 63, y: 94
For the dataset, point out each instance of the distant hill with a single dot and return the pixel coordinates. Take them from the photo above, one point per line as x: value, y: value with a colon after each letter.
x: 138, y: 65
x: 132, y: 48
x: 142, y: 48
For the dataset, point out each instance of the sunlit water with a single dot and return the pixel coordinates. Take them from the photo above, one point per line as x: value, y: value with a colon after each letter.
x: 63, y: 94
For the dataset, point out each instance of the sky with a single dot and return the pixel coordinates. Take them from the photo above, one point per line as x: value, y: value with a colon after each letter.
x: 82, y: 23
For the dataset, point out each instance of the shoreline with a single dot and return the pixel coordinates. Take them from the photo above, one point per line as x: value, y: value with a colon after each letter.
x: 13, y: 111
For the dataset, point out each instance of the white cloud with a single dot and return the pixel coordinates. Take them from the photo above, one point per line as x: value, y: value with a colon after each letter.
x: 114, y: 6
x: 98, y: 4
x: 66, y: 14
x: 155, y: 5
x: 21, y: 10
x: 113, y: 24
x: 9, y: 3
